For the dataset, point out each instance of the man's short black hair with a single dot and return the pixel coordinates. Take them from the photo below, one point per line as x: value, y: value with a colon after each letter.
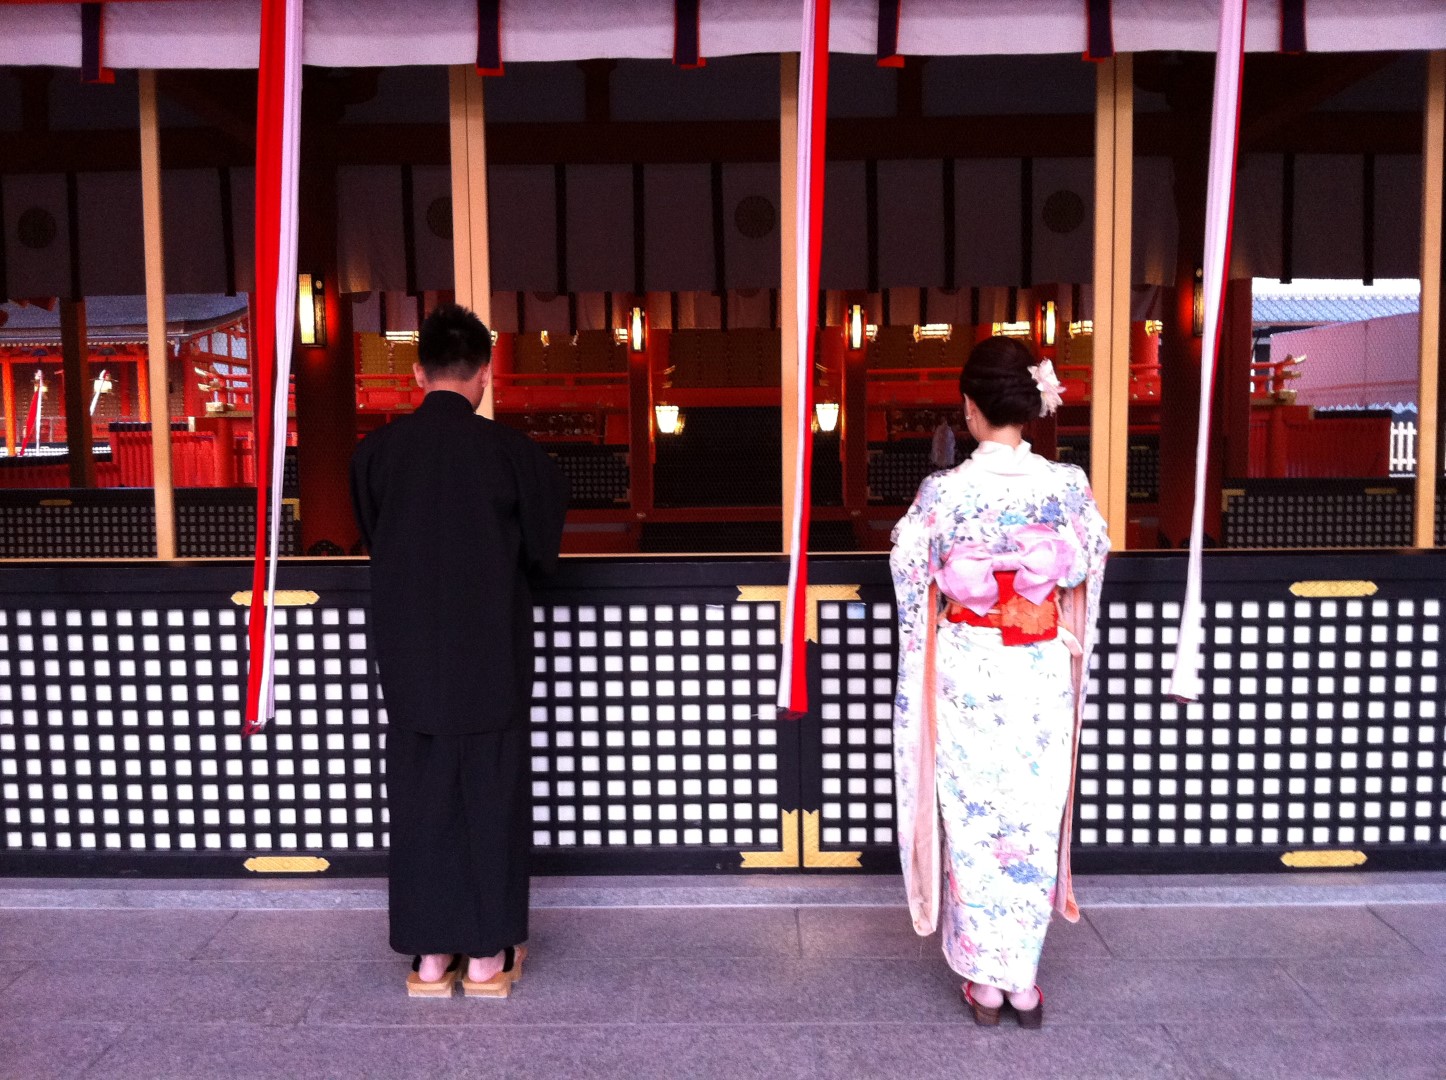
x: 453, y: 342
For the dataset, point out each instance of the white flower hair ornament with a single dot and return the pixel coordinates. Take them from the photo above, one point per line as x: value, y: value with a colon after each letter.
x: 1051, y: 391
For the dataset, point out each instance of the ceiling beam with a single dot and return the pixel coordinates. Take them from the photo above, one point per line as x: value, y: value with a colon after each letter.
x: 891, y: 138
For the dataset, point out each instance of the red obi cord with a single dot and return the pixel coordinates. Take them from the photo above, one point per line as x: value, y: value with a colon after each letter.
x: 1019, y: 621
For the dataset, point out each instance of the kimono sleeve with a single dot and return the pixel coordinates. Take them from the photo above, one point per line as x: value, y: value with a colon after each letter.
x: 909, y: 564
x: 543, y: 509
x: 1093, y: 535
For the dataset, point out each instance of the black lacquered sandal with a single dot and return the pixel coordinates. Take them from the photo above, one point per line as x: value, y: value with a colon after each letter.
x: 1031, y: 1018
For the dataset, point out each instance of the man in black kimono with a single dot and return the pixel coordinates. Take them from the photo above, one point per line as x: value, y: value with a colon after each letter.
x: 459, y: 512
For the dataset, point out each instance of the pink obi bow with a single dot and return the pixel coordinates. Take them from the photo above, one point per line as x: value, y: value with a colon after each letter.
x: 1043, y: 558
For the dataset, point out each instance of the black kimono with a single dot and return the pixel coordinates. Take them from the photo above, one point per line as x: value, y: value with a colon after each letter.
x: 458, y: 512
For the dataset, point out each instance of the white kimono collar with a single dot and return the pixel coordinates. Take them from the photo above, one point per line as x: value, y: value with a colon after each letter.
x: 1003, y: 459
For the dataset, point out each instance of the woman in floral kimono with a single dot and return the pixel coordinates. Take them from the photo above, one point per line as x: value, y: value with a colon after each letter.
x: 997, y: 568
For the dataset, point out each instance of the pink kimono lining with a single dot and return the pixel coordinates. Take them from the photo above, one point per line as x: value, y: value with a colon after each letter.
x: 925, y: 864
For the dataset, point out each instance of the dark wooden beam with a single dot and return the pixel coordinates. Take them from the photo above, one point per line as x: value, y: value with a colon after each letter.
x: 892, y: 138
x: 1296, y: 90
x: 597, y: 90
x: 226, y: 103
x: 35, y: 99
x: 909, y: 100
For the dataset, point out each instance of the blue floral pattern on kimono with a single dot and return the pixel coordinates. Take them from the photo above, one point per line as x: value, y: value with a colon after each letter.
x: 1004, y: 715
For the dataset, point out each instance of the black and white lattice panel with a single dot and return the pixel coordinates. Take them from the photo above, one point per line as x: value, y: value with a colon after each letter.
x: 858, y: 654
x: 120, y: 730
x: 1321, y: 725
x: 655, y: 725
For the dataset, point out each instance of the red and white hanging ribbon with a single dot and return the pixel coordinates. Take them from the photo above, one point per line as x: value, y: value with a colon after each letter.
x: 812, y: 119
x: 1186, y: 683
x: 33, y: 414
x: 278, y: 147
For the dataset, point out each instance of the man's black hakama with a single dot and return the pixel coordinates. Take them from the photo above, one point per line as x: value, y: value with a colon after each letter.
x: 458, y: 513
x: 461, y: 827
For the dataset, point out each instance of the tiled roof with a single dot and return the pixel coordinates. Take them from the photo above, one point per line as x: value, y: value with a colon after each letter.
x: 1319, y: 309
x: 110, y: 316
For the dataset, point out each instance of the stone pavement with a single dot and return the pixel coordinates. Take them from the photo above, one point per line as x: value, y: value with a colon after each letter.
x: 793, y: 978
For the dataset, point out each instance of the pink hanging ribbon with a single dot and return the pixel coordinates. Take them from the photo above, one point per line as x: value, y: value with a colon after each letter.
x: 1185, y: 681
x: 812, y: 116
x: 278, y: 129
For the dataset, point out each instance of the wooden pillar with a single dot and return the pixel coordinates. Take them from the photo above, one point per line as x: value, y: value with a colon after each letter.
x: 75, y: 357
x: 1428, y: 418
x: 154, y: 373
x: 1237, y: 354
x: 790, y: 390
x: 325, y: 374
x: 1110, y: 386
x: 12, y: 407
x: 471, y: 249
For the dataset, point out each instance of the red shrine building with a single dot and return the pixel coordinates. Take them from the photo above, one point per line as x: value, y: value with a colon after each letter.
x: 612, y: 188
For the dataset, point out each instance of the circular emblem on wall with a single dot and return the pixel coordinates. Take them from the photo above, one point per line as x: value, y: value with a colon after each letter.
x: 36, y: 228
x: 755, y: 217
x: 1064, y: 212
x: 439, y: 217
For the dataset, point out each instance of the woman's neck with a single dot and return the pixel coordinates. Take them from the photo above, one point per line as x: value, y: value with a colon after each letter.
x: 1011, y: 435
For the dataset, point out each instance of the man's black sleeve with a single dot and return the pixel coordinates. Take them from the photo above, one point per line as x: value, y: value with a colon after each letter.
x: 543, y: 492
x: 362, y: 504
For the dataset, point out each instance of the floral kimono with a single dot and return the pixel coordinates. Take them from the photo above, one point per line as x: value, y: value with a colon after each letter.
x: 985, y: 732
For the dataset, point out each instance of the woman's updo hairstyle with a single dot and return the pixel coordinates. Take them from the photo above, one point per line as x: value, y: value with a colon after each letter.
x: 996, y: 378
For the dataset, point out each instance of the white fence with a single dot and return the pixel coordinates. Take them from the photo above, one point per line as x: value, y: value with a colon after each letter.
x: 1403, y: 448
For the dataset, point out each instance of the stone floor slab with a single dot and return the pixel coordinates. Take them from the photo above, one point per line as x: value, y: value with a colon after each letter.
x: 952, y: 1051
x: 1332, y: 1050
x: 1245, y: 933
x: 41, y: 1050
x: 10, y: 971
x: 880, y: 932
x: 297, y: 936
x: 644, y: 933
x: 106, y: 934
x: 1423, y: 925
x: 574, y: 1052
x: 1397, y: 987
x: 80, y: 991
x: 1082, y: 991
x: 798, y: 992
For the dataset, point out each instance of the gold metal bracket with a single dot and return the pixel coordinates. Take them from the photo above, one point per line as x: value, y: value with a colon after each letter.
x: 784, y: 858
x: 284, y: 598
x: 813, y: 857
x: 755, y: 594
x: 286, y: 864
x: 1334, y: 589
x: 1316, y: 859
x: 800, y: 847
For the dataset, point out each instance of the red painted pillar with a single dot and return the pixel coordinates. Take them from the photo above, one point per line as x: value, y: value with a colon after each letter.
x: 1237, y: 354
x: 325, y: 375
x: 854, y: 432
x: 641, y: 366
x: 502, y: 366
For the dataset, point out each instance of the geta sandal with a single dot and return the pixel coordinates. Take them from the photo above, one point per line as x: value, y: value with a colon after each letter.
x: 417, y: 987
x: 1031, y: 1018
x: 984, y: 1015
x: 500, y: 985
